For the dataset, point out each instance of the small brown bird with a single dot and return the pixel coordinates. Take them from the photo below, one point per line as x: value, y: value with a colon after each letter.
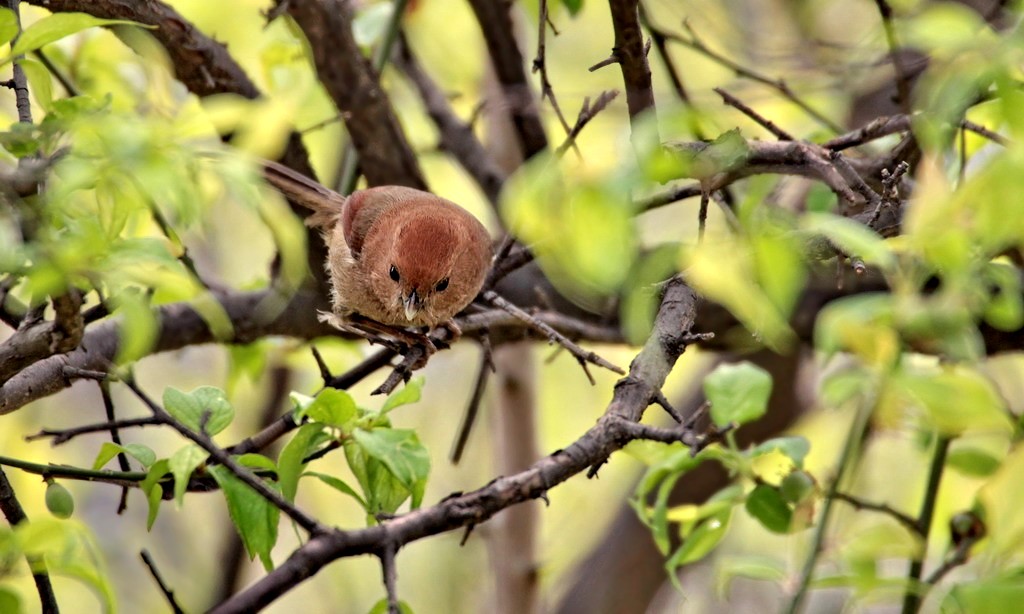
x: 396, y: 255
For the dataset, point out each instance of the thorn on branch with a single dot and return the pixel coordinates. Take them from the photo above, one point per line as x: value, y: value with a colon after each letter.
x: 71, y: 373
x: 612, y: 59
x: 466, y: 534
x: 325, y: 371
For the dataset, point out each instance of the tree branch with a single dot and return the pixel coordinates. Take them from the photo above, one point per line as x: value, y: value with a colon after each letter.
x: 632, y: 396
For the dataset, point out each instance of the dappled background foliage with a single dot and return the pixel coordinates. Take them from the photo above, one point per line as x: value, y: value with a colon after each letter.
x: 848, y: 219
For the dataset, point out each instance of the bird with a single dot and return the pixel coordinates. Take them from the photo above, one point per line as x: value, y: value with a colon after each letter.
x: 396, y: 256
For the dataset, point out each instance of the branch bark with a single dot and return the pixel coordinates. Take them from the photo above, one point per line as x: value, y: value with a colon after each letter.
x: 633, y: 394
x: 385, y: 156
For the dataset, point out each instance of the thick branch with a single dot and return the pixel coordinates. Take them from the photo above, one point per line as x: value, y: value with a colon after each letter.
x: 456, y: 136
x: 631, y: 55
x: 632, y: 395
x: 509, y: 66
x: 385, y: 156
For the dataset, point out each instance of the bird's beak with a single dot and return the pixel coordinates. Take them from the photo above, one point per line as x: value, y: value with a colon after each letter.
x: 412, y: 305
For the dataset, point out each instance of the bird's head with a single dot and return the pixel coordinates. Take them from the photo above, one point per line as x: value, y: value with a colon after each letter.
x: 431, y: 272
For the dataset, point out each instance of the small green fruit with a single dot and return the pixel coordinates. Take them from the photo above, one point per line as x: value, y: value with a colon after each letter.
x: 59, y: 501
x: 796, y: 486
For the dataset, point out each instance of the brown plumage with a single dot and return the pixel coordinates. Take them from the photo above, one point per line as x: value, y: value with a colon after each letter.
x: 396, y: 255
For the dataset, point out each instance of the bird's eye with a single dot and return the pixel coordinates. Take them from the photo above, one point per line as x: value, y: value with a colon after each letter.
x: 394, y: 273
x: 442, y: 285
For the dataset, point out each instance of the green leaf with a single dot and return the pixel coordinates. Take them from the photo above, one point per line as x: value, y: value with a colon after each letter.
x: 154, y: 492
x: 153, y: 500
x: 257, y: 461
x: 844, y: 385
x: 40, y: 82
x: 753, y: 567
x: 1002, y: 499
x: 862, y: 325
x: 737, y: 392
x: 301, y: 403
x: 141, y: 453
x: 254, y: 517
x: 381, y: 607
x: 205, y: 409
x: 182, y: 463
x: 1005, y: 308
x: 972, y: 461
x: 55, y: 27
x: 574, y: 6
x: 334, y: 408
x: 137, y: 451
x: 246, y: 360
x: 371, y: 22
x: 8, y: 30
x: 766, y: 504
x: 678, y: 460
x: 699, y: 543
x: 726, y: 270
x: 581, y: 229
x: 381, y: 490
x: 410, y: 393
x: 955, y: 399
x: 289, y: 462
x: 107, y: 451
x: 337, y: 484
x: 402, y: 453
x: 797, y: 486
x: 854, y: 238
x: 728, y: 151
x: 795, y: 447
x: 10, y: 602
x: 139, y: 326
x: 998, y: 595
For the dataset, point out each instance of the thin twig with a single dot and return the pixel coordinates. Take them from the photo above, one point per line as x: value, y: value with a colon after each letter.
x: 582, y: 356
x: 587, y: 113
x: 912, y: 598
x: 63, y: 79
x: 658, y: 38
x: 846, y: 457
x: 875, y: 129
x: 472, y: 409
x: 540, y: 65
x: 702, y: 215
x: 905, y: 520
x: 167, y: 592
x: 902, y: 80
x: 778, y: 85
x: 15, y: 515
x: 761, y: 120
x: 995, y: 137
x: 61, y: 436
x: 221, y: 456
x: 854, y: 179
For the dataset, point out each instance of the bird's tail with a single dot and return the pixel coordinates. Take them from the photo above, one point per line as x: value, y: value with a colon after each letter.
x: 326, y: 204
